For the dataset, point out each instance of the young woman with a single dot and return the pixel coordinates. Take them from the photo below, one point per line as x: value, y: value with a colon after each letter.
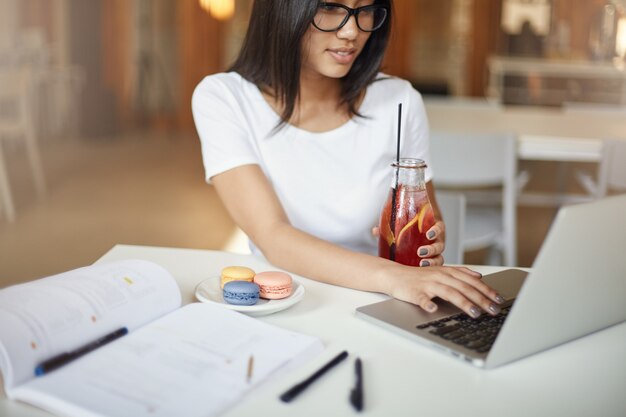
x: 298, y: 139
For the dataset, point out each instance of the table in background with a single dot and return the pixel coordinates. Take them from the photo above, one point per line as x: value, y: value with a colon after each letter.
x: 402, y: 378
x: 561, y: 150
x: 565, y: 136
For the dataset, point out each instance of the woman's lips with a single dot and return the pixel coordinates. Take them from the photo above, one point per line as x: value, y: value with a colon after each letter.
x: 342, y: 55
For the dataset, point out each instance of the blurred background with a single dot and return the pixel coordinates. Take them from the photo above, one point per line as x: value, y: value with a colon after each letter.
x: 98, y: 146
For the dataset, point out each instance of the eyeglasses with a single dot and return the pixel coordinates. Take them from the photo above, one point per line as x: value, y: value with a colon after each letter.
x: 333, y: 16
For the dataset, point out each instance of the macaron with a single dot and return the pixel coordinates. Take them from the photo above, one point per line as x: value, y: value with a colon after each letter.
x: 241, y: 293
x: 274, y: 285
x: 236, y: 273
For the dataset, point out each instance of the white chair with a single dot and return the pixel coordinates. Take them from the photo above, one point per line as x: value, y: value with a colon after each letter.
x: 483, y: 167
x: 612, y: 176
x: 611, y: 171
x: 452, y: 206
x: 17, y: 122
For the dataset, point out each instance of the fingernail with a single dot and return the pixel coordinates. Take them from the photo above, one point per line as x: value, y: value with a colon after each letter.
x: 431, y: 307
x: 499, y: 299
x: 425, y: 263
x: 494, y: 309
x: 430, y: 234
x: 423, y: 252
x: 474, y: 312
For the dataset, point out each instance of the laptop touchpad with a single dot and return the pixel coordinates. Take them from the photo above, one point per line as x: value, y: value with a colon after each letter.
x: 507, y: 283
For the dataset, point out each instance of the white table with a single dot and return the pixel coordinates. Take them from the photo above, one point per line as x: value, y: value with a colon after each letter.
x: 586, y: 377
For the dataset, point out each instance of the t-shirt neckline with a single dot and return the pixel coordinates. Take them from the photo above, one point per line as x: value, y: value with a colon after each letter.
x: 276, y: 116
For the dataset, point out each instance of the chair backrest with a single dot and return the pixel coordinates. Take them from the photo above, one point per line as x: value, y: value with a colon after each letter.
x: 467, y: 161
x: 15, y: 93
x: 473, y: 159
x: 11, y: 81
x: 452, y: 206
x: 616, y: 168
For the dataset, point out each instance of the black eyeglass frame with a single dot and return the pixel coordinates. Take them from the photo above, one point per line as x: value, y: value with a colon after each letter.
x: 355, y: 13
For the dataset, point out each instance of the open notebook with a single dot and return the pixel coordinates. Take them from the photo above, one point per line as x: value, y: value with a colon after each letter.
x: 192, y: 361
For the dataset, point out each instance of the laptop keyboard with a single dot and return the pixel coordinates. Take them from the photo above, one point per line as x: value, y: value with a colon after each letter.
x: 474, y: 334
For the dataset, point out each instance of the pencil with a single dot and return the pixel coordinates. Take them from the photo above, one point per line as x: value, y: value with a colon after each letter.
x: 250, y: 368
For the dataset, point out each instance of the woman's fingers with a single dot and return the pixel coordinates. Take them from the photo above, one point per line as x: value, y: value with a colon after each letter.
x: 458, y: 298
x: 435, y: 234
x: 465, y: 296
x: 436, y: 261
x: 472, y: 278
x: 375, y: 231
x: 459, y: 286
x: 432, y: 250
x: 436, y: 230
x: 426, y: 303
x: 474, y: 274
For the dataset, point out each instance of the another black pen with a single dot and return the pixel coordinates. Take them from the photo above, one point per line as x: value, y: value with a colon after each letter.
x: 356, y: 395
x: 64, y: 358
x: 294, y: 391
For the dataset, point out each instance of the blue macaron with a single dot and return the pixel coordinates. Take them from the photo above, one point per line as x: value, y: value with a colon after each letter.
x: 241, y: 293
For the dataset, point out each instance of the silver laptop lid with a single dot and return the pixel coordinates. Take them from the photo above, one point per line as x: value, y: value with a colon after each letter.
x: 577, y: 284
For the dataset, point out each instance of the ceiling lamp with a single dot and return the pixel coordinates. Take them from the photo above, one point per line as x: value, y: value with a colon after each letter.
x: 219, y: 9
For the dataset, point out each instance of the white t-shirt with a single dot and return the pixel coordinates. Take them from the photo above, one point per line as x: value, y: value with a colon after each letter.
x: 331, y: 184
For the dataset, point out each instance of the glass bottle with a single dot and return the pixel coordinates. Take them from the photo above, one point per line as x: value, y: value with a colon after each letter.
x: 407, y: 214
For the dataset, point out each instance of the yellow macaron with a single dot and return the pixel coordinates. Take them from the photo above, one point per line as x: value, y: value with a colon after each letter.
x: 236, y: 273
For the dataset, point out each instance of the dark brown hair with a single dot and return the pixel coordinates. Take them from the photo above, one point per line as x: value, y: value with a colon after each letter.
x: 271, y: 55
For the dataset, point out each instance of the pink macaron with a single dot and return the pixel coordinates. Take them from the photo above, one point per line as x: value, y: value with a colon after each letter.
x: 274, y: 285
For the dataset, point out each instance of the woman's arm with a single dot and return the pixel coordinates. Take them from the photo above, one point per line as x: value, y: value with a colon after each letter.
x: 253, y: 204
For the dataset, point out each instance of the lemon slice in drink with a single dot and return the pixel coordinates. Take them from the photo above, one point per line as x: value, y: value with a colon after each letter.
x: 387, y: 233
x: 419, y: 219
x: 426, y: 218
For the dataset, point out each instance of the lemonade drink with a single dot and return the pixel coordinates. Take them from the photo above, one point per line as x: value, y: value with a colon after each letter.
x: 407, y: 214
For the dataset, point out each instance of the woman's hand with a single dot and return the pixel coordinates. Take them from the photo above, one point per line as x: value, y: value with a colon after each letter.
x: 458, y: 285
x: 431, y: 254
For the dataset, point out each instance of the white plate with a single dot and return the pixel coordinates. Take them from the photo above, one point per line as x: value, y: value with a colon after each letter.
x: 209, y: 291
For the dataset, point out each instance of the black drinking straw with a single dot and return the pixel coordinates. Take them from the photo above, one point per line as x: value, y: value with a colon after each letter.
x: 392, y: 225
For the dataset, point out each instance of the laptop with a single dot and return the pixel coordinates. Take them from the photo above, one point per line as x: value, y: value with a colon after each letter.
x: 576, y: 286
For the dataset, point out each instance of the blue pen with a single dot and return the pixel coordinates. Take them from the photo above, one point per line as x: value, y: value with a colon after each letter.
x: 64, y: 358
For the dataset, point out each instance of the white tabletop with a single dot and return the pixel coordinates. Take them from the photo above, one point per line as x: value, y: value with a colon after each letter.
x: 402, y: 378
x: 554, y: 148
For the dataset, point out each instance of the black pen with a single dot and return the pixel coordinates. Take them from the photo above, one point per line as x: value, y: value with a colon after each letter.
x: 356, y: 395
x: 64, y: 358
x: 294, y: 391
